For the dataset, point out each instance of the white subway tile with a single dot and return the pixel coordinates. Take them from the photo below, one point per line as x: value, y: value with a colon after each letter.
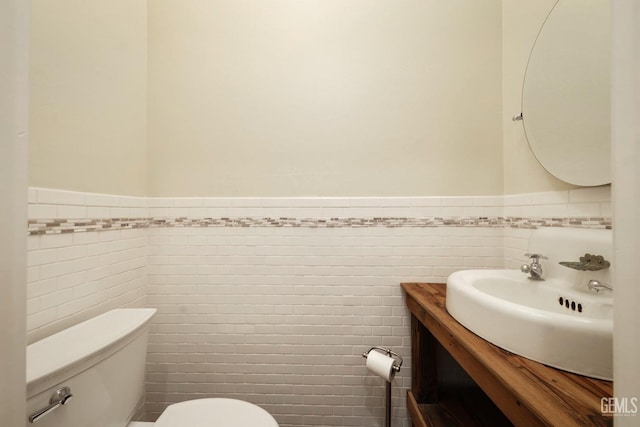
x: 85, y: 238
x: 216, y: 212
x: 554, y: 211
x: 56, y: 269
x: 72, y: 252
x: 55, y: 299
x: 513, y: 211
x: 365, y: 202
x: 537, y: 211
x: 590, y: 194
x: 583, y: 210
x: 479, y: 211
x: 177, y: 212
x: 75, y: 212
x: 517, y: 199
x: 102, y: 200
x: 426, y: 201
x: 237, y: 212
x: 139, y: 212
x: 245, y: 202
x: 41, y: 287
x: 33, y: 243
x: 216, y: 202
x: 33, y: 306
x: 98, y: 212
x: 187, y: 202
x: 59, y: 197
x: 133, y: 202
x: 56, y: 240
x: 32, y: 195
x: 160, y: 202
x: 275, y: 202
x: 494, y: 201
x: 41, y: 256
x: 549, y: 198
x: 41, y: 318
x: 157, y: 212
x: 70, y: 280
x: 457, y: 201
x: 33, y: 274
x: 197, y: 212
x: 453, y: 211
x: 120, y: 212
x: 39, y: 211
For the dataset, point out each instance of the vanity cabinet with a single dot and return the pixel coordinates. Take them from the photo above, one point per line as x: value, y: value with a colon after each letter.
x: 496, y: 388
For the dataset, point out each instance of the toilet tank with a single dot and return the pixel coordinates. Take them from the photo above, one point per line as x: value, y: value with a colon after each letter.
x: 102, y: 362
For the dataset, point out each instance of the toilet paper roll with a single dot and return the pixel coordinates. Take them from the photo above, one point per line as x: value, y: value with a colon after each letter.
x: 381, y: 365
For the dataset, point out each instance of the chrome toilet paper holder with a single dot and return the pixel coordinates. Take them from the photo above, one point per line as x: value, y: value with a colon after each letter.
x: 396, y: 366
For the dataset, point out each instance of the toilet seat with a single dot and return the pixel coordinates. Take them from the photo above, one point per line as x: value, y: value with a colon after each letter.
x: 215, y: 412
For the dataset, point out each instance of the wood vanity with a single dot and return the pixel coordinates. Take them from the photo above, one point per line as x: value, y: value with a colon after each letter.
x: 506, y: 389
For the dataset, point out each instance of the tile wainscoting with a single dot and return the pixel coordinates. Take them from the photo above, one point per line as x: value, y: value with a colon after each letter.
x: 73, y: 277
x: 273, y: 300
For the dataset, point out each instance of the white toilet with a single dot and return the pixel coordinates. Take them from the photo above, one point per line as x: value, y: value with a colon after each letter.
x: 92, y: 375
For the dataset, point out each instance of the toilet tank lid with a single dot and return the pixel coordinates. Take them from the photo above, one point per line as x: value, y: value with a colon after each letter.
x: 78, y: 343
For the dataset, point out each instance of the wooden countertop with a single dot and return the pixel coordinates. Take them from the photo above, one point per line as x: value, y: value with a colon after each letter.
x: 527, y: 392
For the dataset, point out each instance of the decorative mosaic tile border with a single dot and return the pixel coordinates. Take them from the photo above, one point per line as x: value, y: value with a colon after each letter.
x: 61, y: 226
x: 582, y: 222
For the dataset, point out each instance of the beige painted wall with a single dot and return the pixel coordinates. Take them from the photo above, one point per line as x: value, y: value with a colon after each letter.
x: 14, y: 33
x: 88, y: 95
x: 315, y: 98
x: 521, y: 22
x: 626, y: 175
x: 283, y: 98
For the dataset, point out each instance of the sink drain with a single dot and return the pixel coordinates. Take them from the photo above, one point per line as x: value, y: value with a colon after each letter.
x: 570, y: 304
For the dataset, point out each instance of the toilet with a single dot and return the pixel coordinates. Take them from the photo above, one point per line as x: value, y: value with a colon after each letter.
x: 92, y: 375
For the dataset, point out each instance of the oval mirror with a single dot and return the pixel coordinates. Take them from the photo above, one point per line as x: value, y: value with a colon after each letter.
x: 566, y: 93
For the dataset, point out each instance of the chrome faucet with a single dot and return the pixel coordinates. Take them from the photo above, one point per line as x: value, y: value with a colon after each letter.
x: 596, y: 285
x: 535, y: 268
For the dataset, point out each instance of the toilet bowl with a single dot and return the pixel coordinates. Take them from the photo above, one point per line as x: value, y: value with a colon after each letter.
x: 92, y: 375
x: 204, y: 412
x: 225, y: 412
x: 209, y: 412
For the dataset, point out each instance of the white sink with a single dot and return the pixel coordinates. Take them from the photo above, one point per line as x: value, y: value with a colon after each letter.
x: 554, y: 322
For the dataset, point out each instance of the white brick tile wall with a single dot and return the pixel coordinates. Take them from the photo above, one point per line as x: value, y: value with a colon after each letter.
x: 70, y: 282
x: 590, y: 202
x: 281, y: 316
x: 515, y: 246
x: 276, y: 316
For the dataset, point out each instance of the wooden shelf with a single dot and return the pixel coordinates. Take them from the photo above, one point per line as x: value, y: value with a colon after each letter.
x: 528, y: 393
x: 466, y: 409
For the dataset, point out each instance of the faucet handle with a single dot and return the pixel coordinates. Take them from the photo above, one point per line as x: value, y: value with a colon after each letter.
x: 596, y: 285
x: 535, y: 257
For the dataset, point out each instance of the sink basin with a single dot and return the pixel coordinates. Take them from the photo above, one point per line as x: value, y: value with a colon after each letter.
x: 553, y: 322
